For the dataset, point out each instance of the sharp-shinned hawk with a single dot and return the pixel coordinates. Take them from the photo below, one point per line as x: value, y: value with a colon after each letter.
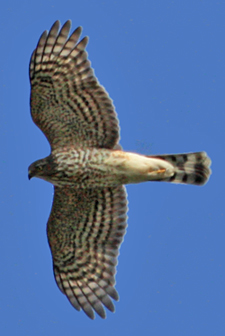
x: 89, y: 169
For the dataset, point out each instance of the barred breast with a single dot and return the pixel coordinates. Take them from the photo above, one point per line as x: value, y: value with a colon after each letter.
x: 87, y: 168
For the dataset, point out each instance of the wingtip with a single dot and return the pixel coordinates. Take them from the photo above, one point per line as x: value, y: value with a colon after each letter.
x: 55, y: 25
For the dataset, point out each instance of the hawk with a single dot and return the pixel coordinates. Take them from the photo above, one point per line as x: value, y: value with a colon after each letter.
x: 89, y: 169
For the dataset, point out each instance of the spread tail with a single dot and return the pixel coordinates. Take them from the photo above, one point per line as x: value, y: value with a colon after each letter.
x: 190, y: 168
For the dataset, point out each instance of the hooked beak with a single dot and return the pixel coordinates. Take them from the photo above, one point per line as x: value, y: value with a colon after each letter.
x: 30, y: 175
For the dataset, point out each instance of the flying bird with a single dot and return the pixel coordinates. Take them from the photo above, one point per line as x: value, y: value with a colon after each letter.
x: 89, y: 169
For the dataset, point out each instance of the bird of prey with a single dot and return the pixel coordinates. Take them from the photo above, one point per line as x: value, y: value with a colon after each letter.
x: 89, y: 169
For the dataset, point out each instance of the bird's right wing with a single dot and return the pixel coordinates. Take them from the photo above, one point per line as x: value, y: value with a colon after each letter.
x: 85, y: 230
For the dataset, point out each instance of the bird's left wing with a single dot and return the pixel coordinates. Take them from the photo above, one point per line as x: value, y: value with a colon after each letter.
x: 85, y: 230
x: 67, y: 102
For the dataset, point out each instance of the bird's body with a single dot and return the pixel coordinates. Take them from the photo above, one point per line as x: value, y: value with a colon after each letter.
x: 89, y: 169
x: 97, y: 168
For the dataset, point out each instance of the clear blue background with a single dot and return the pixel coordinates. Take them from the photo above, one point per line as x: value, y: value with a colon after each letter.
x: 163, y: 64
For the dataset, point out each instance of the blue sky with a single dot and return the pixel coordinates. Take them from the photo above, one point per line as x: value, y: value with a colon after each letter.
x: 163, y: 64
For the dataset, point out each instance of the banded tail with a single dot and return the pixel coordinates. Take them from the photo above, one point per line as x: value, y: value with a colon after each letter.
x: 190, y: 168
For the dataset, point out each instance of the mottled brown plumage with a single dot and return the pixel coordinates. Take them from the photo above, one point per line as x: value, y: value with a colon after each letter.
x: 67, y: 102
x: 85, y: 230
x: 88, y: 169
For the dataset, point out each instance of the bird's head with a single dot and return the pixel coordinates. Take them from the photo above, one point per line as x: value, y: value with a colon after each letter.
x: 41, y: 169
